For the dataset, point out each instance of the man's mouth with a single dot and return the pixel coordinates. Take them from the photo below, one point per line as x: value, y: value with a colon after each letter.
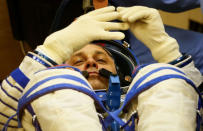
x: 102, y: 72
x: 88, y: 74
x: 93, y: 73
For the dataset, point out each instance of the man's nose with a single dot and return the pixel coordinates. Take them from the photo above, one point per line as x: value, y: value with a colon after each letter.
x: 91, y: 63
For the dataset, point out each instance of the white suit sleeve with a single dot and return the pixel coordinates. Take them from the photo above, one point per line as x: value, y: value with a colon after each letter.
x: 13, y: 86
x: 65, y: 109
x: 169, y: 105
x: 193, y: 73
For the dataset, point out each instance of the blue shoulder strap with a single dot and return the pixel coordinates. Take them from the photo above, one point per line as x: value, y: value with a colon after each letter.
x: 113, y: 115
x: 26, y: 99
x: 113, y: 98
x: 136, y: 91
x: 20, y: 77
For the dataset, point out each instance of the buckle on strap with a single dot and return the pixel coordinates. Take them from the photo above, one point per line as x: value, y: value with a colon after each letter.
x: 34, y: 118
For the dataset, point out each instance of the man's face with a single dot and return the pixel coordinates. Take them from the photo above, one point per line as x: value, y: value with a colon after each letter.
x: 92, y: 58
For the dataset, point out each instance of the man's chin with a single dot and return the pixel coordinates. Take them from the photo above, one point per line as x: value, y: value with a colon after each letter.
x: 97, y: 83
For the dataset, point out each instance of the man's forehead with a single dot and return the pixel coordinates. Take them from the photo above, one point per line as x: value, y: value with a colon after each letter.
x: 94, y: 49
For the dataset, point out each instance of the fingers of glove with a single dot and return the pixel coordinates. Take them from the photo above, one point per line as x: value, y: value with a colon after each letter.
x: 115, y: 26
x: 108, y: 16
x: 124, y: 10
x: 137, y: 12
x: 126, y: 14
x: 106, y: 35
x: 102, y: 10
x: 143, y: 15
x: 119, y: 9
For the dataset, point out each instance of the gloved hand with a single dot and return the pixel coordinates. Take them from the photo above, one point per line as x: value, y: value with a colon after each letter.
x: 146, y: 24
x: 89, y: 27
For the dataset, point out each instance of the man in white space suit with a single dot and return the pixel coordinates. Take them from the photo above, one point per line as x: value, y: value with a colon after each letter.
x: 168, y: 105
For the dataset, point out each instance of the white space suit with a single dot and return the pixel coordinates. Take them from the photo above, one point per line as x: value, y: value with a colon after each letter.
x: 168, y: 105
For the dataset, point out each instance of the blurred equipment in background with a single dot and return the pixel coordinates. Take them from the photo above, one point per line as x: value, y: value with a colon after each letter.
x: 195, y: 26
x: 87, y: 5
x: 31, y: 20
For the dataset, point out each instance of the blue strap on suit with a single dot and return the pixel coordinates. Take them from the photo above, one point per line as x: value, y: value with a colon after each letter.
x: 113, y: 100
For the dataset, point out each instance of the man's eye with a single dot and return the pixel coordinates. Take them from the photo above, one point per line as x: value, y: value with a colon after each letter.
x: 101, y: 60
x: 78, y: 62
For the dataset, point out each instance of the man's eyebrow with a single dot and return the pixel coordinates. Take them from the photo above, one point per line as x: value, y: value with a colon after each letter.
x: 100, y: 52
x: 78, y: 54
x: 106, y: 52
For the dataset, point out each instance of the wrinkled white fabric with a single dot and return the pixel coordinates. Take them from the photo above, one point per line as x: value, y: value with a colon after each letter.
x: 62, y: 110
x: 167, y: 106
x: 10, y: 86
x: 193, y: 73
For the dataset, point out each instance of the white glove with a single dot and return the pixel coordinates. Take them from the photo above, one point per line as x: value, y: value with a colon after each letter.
x: 146, y: 24
x: 89, y: 27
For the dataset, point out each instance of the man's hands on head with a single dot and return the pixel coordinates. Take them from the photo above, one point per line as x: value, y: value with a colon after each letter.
x: 146, y: 24
x: 92, y: 26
